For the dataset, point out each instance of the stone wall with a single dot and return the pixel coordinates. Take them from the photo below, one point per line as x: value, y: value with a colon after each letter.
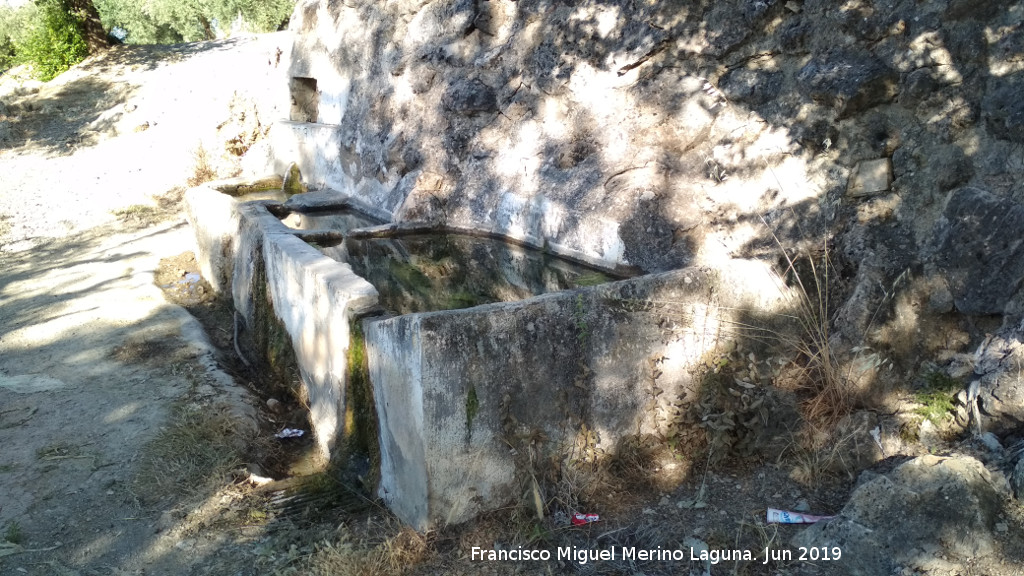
x: 664, y: 134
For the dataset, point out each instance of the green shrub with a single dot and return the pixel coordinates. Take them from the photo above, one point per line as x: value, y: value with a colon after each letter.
x: 55, y: 43
x: 6, y: 54
x: 14, y: 22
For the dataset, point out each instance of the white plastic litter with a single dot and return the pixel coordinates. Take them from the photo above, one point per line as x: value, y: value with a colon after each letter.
x: 290, y: 433
x: 786, y: 517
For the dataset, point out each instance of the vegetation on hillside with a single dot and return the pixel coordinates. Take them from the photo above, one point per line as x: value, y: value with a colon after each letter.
x: 53, y: 35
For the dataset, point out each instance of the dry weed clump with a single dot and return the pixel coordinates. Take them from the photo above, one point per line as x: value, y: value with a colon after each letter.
x: 202, y: 167
x: 817, y: 455
x: 195, y: 452
x: 824, y: 380
x: 348, y: 555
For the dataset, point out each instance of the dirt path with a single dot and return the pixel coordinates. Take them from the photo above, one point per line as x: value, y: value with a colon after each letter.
x: 97, y: 368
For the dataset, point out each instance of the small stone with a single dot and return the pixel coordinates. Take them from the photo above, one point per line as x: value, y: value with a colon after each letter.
x: 928, y: 433
x: 963, y: 418
x: 802, y: 506
x: 1002, y: 527
x: 991, y: 442
x: 870, y: 178
x: 648, y: 511
x: 664, y: 501
x: 274, y: 405
x: 1017, y: 479
x: 940, y: 300
x: 793, y: 7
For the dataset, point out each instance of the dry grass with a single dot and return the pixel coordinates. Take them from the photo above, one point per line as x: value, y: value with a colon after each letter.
x: 347, y: 555
x: 195, y: 452
x: 202, y: 168
x: 824, y: 380
x: 817, y: 455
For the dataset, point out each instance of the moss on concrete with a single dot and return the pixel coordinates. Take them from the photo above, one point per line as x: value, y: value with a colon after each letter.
x: 361, y: 440
x: 276, y: 361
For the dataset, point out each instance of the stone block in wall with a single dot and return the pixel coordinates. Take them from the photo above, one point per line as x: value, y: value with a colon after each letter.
x: 848, y: 80
x: 978, y: 246
x: 870, y: 177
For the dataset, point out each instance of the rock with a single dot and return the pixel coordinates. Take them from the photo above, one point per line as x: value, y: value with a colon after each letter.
x: 753, y: 86
x: 950, y: 166
x: 849, y: 80
x: 1017, y: 480
x: 472, y: 97
x: 928, y: 434
x: 927, y: 505
x: 1003, y: 108
x: 870, y: 178
x: 991, y: 442
x: 940, y: 300
x: 978, y: 245
x: 1001, y: 385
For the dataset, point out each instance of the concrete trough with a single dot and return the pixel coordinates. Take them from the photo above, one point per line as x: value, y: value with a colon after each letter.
x: 469, y: 402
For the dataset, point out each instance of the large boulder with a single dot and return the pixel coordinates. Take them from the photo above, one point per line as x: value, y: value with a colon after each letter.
x: 926, y: 509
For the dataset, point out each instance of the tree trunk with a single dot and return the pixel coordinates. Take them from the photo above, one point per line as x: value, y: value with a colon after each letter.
x: 89, y: 24
x: 207, y: 28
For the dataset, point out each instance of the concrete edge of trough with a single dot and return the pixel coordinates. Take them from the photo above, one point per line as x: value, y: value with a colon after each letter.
x: 312, y: 296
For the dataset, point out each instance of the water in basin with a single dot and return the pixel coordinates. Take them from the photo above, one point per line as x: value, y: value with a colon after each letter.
x: 448, y: 271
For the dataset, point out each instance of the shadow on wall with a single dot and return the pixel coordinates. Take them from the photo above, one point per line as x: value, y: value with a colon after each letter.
x: 697, y: 132
x: 679, y: 133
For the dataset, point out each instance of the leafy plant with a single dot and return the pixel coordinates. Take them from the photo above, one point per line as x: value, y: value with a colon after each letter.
x: 171, y: 21
x: 13, y: 533
x: 54, y: 43
x: 936, y: 397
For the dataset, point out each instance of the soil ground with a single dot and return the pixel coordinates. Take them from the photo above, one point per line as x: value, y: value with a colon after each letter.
x: 134, y: 440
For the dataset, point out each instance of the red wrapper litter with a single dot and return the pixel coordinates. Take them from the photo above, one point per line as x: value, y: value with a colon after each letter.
x: 581, y: 519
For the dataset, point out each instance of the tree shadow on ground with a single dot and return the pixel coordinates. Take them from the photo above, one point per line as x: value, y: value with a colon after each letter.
x: 80, y: 108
